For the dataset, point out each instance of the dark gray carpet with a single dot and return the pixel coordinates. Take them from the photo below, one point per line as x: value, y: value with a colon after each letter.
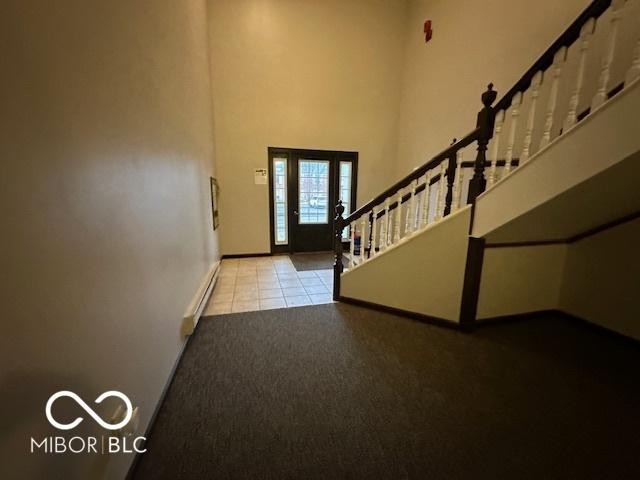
x: 312, y: 261
x: 336, y: 391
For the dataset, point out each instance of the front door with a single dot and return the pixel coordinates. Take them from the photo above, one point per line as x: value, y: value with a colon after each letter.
x: 312, y: 203
x: 304, y: 186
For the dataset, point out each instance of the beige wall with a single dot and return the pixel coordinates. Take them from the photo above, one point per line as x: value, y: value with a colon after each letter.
x: 474, y: 43
x: 307, y: 74
x: 520, y: 280
x: 106, y: 147
x: 602, y: 279
x: 423, y: 273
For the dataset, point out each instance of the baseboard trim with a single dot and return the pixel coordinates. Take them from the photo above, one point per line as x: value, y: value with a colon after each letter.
x: 498, y: 320
x: 196, y: 307
x: 421, y: 317
x: 247, y: 255
x: 156, y: 410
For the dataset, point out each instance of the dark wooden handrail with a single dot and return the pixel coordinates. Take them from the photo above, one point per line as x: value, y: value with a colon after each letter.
x: 570, y: 35
x: 467, y: 164
x: 417, y: 173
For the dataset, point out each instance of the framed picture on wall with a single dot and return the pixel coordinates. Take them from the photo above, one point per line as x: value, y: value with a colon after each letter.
x: 214, y: 202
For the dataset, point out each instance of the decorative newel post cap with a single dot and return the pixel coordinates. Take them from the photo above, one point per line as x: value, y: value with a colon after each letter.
x: 339, y: 208
x: 489, y: 96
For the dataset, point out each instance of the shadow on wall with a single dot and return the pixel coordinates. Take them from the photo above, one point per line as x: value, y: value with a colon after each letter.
x: 22, y: 403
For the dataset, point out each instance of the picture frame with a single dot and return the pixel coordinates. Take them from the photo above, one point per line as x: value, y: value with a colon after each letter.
x: 214, y: 203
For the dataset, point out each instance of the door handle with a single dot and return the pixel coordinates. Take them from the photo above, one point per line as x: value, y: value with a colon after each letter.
x: 295, y: 212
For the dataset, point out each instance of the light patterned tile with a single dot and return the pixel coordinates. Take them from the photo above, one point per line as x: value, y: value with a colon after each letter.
x: 267, y: 273
x: 293, y: 291
x: 319, y: 298
x: 243, y: 272
x: 281, y: 259
x: 241, y: 281
x: 307, y: 274
x: 246, y: 275
x: 298, y: 301
x: 227, y: 274
x: 271, y: 293
x: 290, y: 283
x: 270, y: 303
x: 268, y: 285
x: 223, y: 288
x: 308, y: 282
x: 242, y: 295
x: 245, y: 306
x: 218, y: 309
x: 225, y: 282
x: 287, y: 276
x: 218, y: 297
x: 285, y: 269
x: 317, y: 289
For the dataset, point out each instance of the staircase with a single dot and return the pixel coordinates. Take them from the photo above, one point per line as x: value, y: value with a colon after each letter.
x: 491, y: 226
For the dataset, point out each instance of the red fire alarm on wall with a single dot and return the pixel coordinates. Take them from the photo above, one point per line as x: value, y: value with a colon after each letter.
x: 428, y: 31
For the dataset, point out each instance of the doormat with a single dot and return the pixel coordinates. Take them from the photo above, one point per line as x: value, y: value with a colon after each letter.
x: 312, y: 261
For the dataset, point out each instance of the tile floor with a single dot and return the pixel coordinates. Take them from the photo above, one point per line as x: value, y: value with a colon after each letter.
x: 263, y: 283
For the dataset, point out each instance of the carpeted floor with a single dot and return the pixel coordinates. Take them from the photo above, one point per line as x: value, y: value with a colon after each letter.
x: 336, y: 391
x: 312, y: 261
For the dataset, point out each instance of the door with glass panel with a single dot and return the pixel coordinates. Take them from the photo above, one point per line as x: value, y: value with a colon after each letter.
x: 305, y: 187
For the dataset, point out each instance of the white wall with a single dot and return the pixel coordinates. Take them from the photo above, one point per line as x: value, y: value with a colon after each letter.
x: 602, y: 279
x: 473, y: 43
x: 305, y: 74
x: 106, y: 147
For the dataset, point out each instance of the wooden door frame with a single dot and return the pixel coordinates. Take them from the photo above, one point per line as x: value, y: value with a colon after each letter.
x: 335, y: 157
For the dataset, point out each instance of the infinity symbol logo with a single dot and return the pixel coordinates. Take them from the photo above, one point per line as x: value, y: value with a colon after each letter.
x: 89, y: 410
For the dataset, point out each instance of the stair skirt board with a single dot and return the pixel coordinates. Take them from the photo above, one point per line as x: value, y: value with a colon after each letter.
x: 441, y: 322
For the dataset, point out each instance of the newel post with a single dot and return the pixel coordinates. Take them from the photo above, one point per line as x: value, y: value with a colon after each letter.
x: 451, y: 175
x: 337, y: 247
x: 485, y: 122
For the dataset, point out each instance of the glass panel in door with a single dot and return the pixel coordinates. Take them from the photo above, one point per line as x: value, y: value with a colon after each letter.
x: 313, y: 192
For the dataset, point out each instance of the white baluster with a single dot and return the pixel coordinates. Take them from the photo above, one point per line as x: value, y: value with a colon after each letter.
x: 374, y: 234
x: 516, y: 102
x: 426, y: 198
x: 411, y: 222
x: 397, y: 218
x: 363, y: 236
x: 585, y: 37
x: 457, y: 185
x: 605, y: 70
x: 556, y: 73
x: 528, y: 135
x: 634, y: 71
x: 352, y: 244
x: 382, y: 243
x: 441, y: 192
x: 494, y: 147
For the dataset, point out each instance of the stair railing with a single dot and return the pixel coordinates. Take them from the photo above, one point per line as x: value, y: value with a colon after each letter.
x: 434, y: 190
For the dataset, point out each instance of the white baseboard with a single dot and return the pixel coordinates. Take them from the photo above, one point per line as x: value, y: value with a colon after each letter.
x: 191, y: 317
